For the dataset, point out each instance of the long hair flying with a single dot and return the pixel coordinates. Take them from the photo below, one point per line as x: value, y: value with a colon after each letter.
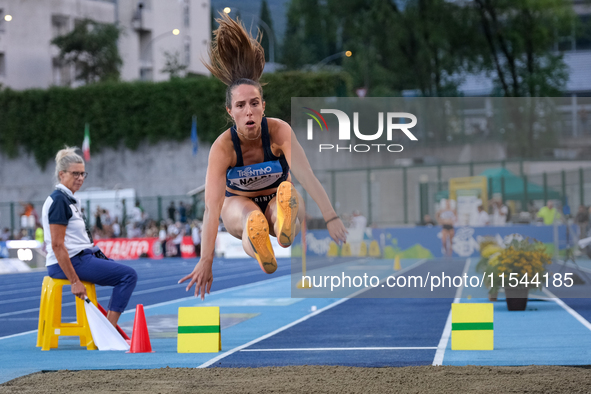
x: 235, y: 56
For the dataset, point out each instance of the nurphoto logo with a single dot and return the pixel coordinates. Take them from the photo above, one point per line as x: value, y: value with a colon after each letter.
x: 393, y: 124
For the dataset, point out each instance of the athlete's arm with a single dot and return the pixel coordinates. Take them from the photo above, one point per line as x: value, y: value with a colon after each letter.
x: 58, y: 236
x: 285, y: 138
x: 215, y: 187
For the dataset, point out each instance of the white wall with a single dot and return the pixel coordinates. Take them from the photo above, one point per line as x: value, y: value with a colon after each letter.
x: 26, y: 39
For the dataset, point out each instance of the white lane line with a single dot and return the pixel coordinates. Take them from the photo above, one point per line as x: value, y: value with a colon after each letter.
x: 238, y: 348
x: 570, y: 310
x: 304, y: 318
x: 438, y: 359
x: 19, y: 334
x: 184, y: 298
x: 138, y: 292
x: 312, y: 349
x: 247, y: 285
x: 141, y: 281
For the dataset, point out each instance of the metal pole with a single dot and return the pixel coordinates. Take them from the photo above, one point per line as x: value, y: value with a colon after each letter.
x: 471, y: 168
x: 525, y: 195
x: 503, y: 188
x: 545, y: 177
x: 563, y: 179
x: 490, y: 188
x: 438, y: 177
x: 521, y: 167
x: 423, y: 200
x: 12, y: 219
x: 573, y: 105
x: 194, y: 207
x: 581, y: 187
x: 159, y: 209
x: 404, y: 190
x: 369, y: 213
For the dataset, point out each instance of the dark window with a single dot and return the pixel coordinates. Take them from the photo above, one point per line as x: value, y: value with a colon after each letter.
x: 583, y: 40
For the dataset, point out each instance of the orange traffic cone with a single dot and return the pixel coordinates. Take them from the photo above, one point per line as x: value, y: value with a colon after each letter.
x: 140, y: 339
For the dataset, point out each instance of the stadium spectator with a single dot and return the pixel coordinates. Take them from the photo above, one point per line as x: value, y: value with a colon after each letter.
x: 182, y: 212
x: 29, y: 219
x: 71, y: 253
x: 134, y: 230
x: 196, y: 237
x: 483, y: 218
x: 500, y: 212
x: 358, y: 220
x: 252, y: 207
x: 151, y: 229
x: 137, y: 215
x: 172, y: 211
x: 163, y: 237
x: 98, y: 222
x: 582, y: 221
x: 548, y: 213
x: 107, y: 222
x: 179, y: 233
x: 427, y: 221
x: 39, y: 237
x: 116, y: 228
x: 5, y: 235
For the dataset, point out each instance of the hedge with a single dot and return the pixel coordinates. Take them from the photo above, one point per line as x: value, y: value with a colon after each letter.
x: 42, y: 121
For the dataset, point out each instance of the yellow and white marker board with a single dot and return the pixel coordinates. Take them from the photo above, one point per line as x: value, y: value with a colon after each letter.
x: 362, y: 249
x: 199, y: 330
x: 374, y: 249
x: 346, y: 250
x: 472, y: 327
x: 333, y: 249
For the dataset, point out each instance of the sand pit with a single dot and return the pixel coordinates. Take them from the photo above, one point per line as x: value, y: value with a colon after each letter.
x: 311, y: 379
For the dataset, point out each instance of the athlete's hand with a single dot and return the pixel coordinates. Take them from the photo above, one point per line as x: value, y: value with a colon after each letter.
x: 201, y: 277
x: 337, y: 231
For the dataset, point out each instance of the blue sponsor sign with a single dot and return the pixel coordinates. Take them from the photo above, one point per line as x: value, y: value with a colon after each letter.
x: 420, y: 242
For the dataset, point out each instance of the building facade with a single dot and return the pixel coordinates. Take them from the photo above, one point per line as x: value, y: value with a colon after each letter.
x: 29, y: 60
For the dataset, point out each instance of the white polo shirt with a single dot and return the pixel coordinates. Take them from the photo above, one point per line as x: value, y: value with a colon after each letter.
x: 61, y: 207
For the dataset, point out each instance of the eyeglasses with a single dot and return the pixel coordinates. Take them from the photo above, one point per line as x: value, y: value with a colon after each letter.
x: 77, y: 174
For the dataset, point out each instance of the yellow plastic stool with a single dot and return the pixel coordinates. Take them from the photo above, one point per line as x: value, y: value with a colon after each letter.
x: 50, y: 315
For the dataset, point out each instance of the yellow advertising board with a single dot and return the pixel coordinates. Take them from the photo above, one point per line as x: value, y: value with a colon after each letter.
x: 472, y: 185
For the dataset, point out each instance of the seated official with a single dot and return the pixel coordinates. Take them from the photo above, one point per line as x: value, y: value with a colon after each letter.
x: 71, y: 254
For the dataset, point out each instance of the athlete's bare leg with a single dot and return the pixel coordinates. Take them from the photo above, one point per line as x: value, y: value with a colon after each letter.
x: 235, y: 211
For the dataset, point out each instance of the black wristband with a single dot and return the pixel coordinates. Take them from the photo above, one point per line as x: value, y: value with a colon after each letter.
x: 330, y: 220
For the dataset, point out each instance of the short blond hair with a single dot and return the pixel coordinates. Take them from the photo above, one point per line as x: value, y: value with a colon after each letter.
x: 64, y: 158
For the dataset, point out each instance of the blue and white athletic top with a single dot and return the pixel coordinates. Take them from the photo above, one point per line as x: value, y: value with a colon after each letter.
x: 61, y: 207
x: 260, y: 176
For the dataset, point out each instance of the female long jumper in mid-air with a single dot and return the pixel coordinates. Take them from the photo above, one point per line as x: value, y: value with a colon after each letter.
x: 248, y: 179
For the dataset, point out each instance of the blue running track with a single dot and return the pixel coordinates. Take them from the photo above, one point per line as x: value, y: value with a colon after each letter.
x: 262, y: 325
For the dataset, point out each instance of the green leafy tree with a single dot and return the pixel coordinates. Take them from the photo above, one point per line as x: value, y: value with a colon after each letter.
x: 520, y: 37
x: 418, y: 46
x: 308, y: 34
x: 265, y: 17
x: 92, y: 47
x: 173, y: 65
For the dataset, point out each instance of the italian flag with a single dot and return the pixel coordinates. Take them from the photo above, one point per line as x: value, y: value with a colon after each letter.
x: 86, y: 143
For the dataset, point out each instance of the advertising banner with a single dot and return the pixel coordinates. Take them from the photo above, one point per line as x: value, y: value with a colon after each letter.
x: 134, y: 248
x: 423, y: 242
